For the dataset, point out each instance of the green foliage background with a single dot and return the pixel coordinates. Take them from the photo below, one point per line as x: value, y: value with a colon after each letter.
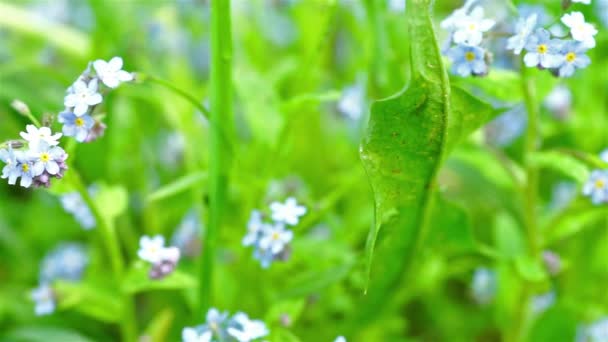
x: 287, y: 127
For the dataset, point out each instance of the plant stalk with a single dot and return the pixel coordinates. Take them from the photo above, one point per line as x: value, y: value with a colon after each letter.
x: 221, y: 124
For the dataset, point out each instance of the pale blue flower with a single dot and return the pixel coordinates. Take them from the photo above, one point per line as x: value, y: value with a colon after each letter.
x: 470, y: 28
x: 111, y: 73
x: 542, y: 50
x: 35, y: 136
x: 82, y: 95
x: 288, y: 212
x: 483, y: 286
x: 244, y: 329
x: 523, y: 30
x: 11, y: 170
x: 580, y: 30
x: 47, y: 158
x: 507, y: 127
x: 275, y: 238
x: 467, y: 60
x: 151, y: 248
x: 596, y: 187
x: 254, y: 229
x: 396, y: 5
x: 352, y: 102
x: 67, y: 261
x: 594, y: 332
x: 187, y: 236
x: 75, y: 205
x: 542, y: 303
x: 78, y: 127
x: 604, y: 155
x: 572, y: 57
x: 559, y: 101
x: 264, y: 256
x: 25, y: 166
x: 340, y: 339
x: 44, y: 299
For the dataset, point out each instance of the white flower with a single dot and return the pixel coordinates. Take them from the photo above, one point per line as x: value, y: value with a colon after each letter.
x: 247, y: 330
x: 524, y: 28
x: 111, y: 73
x: 275, y: 238
x: 35, y: 135
x: 340, y: 339
x: 581, y: 31
x: 470, y: 29
x: 81, y: 96
x: 596, y: 187
x: 352, y: 102
x: 254, y: 228
x: 192, y: 335
x: 47, y: 158
x: 45, y: 302
x: 604, y: 155
x: 585, y: 2
x: 458, y: 15
x: 151, y: 249
x: 170, y: 254
x: 288, y: 213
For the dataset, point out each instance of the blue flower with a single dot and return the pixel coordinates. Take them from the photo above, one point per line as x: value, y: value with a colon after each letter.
x: 523, y: 29
x: 25, y: 166
x: 597, y: 187
x: 67, y: 262
x: 572, y: 57
x: 220, y: 327
x: 187, y: 235
x: 483, y: 286
x: 507, y: 127
x: 78, y: 127
x: 275, y: 238
x: 604, y: 155
x: 542, y: 50
x: 467, y: 60
x: 11, y: 169
x: 75, y: 205
x: 44, y: 298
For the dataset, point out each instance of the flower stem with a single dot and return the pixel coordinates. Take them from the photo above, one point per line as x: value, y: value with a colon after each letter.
x: 107, y: 234
x: 221, y: 123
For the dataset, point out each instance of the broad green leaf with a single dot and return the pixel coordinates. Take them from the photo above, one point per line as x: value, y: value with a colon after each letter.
x: 89, y: 299
x: 408, y: 137
x: 66, y: 39
x: 574, y: 221
x: 530, y: 269
x: 508, y: 237
x: 43, y: 334
x: 159, y: 327
x: 450, y: 231
x: 137, y: 280
x: 178, y: 186
x: 563, y: 163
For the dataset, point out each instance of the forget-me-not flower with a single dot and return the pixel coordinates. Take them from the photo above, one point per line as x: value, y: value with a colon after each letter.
x: 82, y: 95
x: 572, y: 56
x: 111, y: 73
x: 604, y: 155
x: 194, y: 335
x: 542, y: 50
x: 44, y: 299
x: 483, y: 287
x: 245, y: 329
x: 74, y: 204
x: 467, y: 60
x: 11, y: 170
x: 579, y: 29
x: 254, y: 228
x: 457, y: 16
x: 596, y: 187
x: 67, y: 261
x: 47, y: 159
x: 275, y: 238
x: 470, y: 29
x: 25, y: 166
x: 559, y: 101
x: 340, y: 339
x: 288, y: 212
x: 352, y: 102
x: 78, y: 127
x: 542, y: 302
x: 34, y: 136
x: 151, y: 248
x: 523, y: 30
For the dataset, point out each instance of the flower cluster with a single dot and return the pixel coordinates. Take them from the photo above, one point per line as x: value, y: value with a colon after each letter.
x: 37, y: 160
x: 220, y: 327
x: 74, y: 204
x: 66, y: 262
x: 546, y: 51
x: 271, y: 240
x: 466, y: 27
x: 163, y: 259
x: 85, y: 95
x: 596, y: 186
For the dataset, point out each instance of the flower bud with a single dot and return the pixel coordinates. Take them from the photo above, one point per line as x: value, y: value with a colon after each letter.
x: 21, y: 107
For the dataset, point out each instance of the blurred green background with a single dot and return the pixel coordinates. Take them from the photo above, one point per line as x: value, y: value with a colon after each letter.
x: 305, y: 73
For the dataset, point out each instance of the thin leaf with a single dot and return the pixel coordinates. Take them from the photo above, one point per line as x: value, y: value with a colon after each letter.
x: 562, y: 163
x: 178, y: 186
x: 137, y: 280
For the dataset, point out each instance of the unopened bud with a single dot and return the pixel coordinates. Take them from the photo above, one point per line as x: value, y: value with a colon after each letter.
x: 21, y: 107
x: 47, y: 119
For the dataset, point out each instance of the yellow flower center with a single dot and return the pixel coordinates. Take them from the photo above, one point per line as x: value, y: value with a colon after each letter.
x: 472, y: 27
x: 25, y: 168
x: 45, y: 157
x: 600, y: 183
x: 542, y: 49
x: 570, y: 57
x: 79, y: 122
x: 275, y: 236
x: 469, y: 56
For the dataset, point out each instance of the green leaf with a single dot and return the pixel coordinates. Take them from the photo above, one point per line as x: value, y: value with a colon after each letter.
x: 159, y: 327
x: 563, y: 163
x: 407, y: 140
x: 282, y: 335
x: 89, y: 299
x: 178, y: 186
x: 291, y: 308
x: 574, y: 221
x: 43, y: 334
x: 508, y: 238
x: 137, y: 280
x: 530, y: 269
x: 450, y: 231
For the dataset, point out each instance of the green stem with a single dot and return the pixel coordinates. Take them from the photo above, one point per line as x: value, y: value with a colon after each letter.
x: 530, y: 193
x: 107, y: 234
x: 221, y: 123
x: 196, y: 102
